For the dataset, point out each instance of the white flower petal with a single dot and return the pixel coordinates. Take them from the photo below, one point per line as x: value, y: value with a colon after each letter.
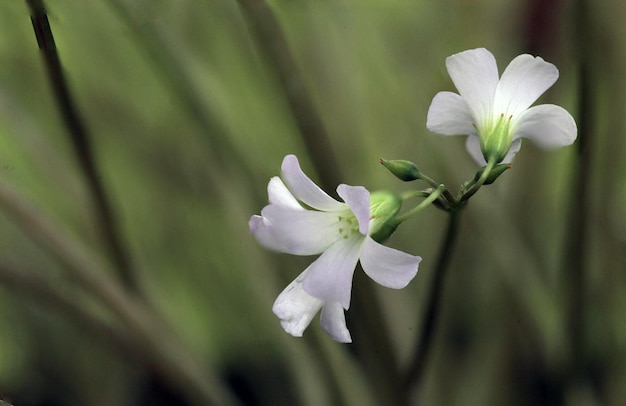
x: 547, y: 125
x: 475, y: 75
x: 387, y: 266
x: 261, y: 229
x: 279, y: 194
x: 333, y: 321
x: 295, y: 308
x: 255, y: 223
x: 522, y: 82
x: 296, y: 231
x: 515, y: 147
x: 448, y: 115
x: 329, y: 278
x: 358, y: 200
x: 473, y: 147
x: 304, y: 189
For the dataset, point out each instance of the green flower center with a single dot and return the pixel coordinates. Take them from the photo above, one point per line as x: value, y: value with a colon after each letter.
x: 383, y: 208
x: 347, y: 225
x: 496, y: 138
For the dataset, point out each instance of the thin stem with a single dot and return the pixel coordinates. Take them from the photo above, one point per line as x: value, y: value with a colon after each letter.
x: 428, y: 322
x: 433, y: 183
x: 272, y: 42
x: 414, y: 193
x: 83, y: 150
x: 481, y: 181
x: 425, y: 203
x: 428, y: 179
x: 575, y: 252
x: 27, y: 282
x: 153, y: 340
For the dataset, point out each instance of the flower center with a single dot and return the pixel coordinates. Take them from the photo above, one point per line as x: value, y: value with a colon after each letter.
x: 496, y: 138
x: 347, y: 225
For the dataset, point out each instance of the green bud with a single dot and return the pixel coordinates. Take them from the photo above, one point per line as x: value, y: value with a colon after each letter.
x: 493, y: 175
x: 384, y: 206
x: 496, y: 138
x: 401, y: 169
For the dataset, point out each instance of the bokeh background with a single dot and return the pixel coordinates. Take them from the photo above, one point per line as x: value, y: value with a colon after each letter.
x: 191, y: 106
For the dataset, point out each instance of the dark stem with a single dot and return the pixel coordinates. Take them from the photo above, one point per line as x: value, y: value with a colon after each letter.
x: 428, y: 323
x: 273, y: 44
x: 576, y: 244
x: 578, y: 232
x: 80, y: 140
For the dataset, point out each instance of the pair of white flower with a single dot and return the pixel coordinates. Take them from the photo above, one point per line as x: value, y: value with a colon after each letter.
x: 302, y: 219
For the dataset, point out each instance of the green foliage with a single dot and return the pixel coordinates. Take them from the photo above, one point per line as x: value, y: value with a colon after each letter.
x: 188, y: 119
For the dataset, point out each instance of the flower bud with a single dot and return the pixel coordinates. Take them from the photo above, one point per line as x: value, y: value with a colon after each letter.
x: 401, y: 169
x: 383, y: 208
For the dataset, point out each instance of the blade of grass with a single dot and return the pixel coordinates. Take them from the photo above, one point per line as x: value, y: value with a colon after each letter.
x: 81, y: 141
x: 154, y: 341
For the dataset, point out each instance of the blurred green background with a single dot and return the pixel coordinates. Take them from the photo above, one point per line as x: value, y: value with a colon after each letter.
x: 189, y: 120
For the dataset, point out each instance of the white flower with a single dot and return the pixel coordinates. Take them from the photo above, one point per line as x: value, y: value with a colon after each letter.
x: 302, y: 219
x: 494, y: 111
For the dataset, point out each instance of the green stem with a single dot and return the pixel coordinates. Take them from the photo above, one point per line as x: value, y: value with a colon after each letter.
x: 425, y: 203
x: 575, y: 250
x: 272, y: 43
x: 152, y: 339
x: 428, y: 180
x: 433, y: 183
x: 414, y: 193
x: 81, y: 142
x: 481, y: 181
x: 428, y: 323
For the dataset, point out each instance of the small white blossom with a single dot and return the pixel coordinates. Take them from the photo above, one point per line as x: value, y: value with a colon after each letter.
x: 495, y: 112
x: 302, y: 219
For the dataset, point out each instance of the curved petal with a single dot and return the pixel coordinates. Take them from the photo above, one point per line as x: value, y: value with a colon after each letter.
x: 522, y: 82
x: 281, y: 196
x: 448, y: 115
x: 295, y: 231
x: 358, y: 200
x: 475, y: 75
x: 261, y: 229
x: 255, y: 223
x: 387, y: 266
x: 333, y: 321
x: 472, y: 143
x: 329, y: 278
x: 304, y: 189
x: 548, y: 126
x: 515, y: 147
x: 295, y: 308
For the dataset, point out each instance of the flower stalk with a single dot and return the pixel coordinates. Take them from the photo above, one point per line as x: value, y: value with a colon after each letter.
x: 430, y: 199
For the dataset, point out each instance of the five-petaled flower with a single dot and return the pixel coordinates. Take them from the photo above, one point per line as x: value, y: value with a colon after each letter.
x: 494, y: 111
x: 302, y: 219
